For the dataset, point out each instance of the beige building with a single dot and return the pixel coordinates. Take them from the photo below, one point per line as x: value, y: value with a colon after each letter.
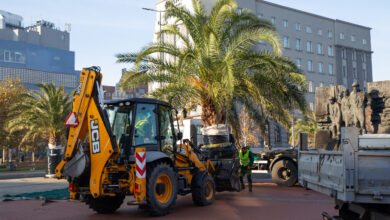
x: 328, y: 51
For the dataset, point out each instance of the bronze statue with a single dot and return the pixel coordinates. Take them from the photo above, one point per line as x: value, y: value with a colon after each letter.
x: 346, y: 108
x: 335, y: 117
x: 358, y: 99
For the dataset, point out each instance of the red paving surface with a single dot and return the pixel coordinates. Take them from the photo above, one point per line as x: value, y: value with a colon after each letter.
x: 267, y: 201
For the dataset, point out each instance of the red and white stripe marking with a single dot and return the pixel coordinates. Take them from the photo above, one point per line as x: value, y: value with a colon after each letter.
x: 140, y: 160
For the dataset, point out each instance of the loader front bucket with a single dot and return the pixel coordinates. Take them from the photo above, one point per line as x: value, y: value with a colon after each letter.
x: 226, y: 175
x: 224, y: 158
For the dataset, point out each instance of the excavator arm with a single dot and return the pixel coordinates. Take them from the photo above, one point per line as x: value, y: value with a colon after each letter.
x: 90, y: 143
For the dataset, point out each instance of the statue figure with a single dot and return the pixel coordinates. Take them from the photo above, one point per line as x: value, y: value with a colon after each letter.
x: 358, y: 99
x: 334, y: 109
x: 346, y: 108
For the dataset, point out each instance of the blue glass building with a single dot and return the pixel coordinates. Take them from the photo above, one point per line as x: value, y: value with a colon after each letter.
x: 35, y: 54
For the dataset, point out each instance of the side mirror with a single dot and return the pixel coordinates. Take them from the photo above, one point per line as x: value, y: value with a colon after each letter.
x: 179, y: 136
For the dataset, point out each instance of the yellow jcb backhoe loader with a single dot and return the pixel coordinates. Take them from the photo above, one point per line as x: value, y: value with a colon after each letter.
x: 128, y: 147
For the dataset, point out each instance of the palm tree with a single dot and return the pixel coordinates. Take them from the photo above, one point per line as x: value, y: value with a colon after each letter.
x: 42, y: 115
x: 218, y: 67
x: 307, y: 125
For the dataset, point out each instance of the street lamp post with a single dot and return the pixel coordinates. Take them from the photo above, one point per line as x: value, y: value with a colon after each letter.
x: 160, y: 24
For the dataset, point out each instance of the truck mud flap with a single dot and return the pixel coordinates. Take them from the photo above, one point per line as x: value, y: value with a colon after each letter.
x: 79, y: 164
x: 226, y: 175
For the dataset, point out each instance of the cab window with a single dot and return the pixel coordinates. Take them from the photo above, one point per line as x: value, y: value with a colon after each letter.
x: 166, y: 131
x: 121, y: 127
x: 145, y: 130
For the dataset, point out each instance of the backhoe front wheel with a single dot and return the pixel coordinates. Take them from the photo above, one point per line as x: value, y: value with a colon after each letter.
x: 203, y: 191
x: 161, y: 189
x: 104, y: 205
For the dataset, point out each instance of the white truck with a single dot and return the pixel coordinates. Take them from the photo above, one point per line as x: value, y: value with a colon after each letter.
x: 358, y: 176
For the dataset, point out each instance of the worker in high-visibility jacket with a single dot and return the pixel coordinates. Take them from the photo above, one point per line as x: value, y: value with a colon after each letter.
x: 143, y: 131
x: 246, y: 162
x: 140, y: 126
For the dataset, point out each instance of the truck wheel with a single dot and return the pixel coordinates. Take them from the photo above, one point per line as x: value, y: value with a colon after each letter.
x: 203, y: 194
x: 104, y: 205
x: 161, y: 189
x: 284, y: 173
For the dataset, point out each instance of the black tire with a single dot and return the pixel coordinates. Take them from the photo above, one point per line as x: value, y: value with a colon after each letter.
x: 285, y: 173
x: 203, y: 193
x: 104, y: 205
x: 154, y: 172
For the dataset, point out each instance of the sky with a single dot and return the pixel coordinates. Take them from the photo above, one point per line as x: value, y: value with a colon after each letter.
x: 100, y: 29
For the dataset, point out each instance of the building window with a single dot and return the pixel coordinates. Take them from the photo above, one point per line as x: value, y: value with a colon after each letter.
x: 342, y: 36
x: 319, y: 32
x: 285, y: 23
x: 7, y: 55
x: 310, y: 85
x: 311, y: 106
x: 297, y: 26
x: 330, y: 34
x: 354, y: 55
x: 364, y: 41
x: 330, y: 51
x: 331, y: 69
x: 364, y: 58
x: 354, y: 70
x: 309, y: 47
x: 344, y: 71
x: 299, y: 63
x: 298, y: 44
x: 277, y: 134
x: 319, y: 49
x: 320, y: 67
x: 364, y: 74
x: 239, y: 11
x: 20, y: 57
x: 352, y: 38
x: 310, y: 66
x: 286, y: 42
x: 343, y: 53
x: 273, y: 20
x: 308, y: 29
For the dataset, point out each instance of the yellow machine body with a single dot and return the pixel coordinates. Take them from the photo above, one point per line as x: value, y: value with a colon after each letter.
x: 93, y: 165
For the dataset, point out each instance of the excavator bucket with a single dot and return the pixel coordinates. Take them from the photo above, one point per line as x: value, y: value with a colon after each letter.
x: 224, y: 158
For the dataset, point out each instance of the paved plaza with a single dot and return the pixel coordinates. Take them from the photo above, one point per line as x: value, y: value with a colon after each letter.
x: 268, y: 201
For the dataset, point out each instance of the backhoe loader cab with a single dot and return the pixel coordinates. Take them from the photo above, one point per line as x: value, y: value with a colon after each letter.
x: 141, y: 122
x: 129, y: 147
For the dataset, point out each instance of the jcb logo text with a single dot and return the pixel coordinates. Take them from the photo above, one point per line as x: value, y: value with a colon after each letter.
x: 95, y: 136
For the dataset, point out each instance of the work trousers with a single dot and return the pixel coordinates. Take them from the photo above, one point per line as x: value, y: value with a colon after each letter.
x: 245, y: 171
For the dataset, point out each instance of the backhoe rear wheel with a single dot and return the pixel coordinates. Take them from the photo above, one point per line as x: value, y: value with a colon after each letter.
x: 161, y: 189
x: 104, y: 205
x: 203, y: 194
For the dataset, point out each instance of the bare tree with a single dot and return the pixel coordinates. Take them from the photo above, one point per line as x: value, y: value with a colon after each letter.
x: 248, y: 132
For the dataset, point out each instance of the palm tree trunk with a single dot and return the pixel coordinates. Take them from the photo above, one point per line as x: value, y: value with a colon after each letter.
x: 209, y: 114
x: 214, y: 130
x: 4, y: 155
